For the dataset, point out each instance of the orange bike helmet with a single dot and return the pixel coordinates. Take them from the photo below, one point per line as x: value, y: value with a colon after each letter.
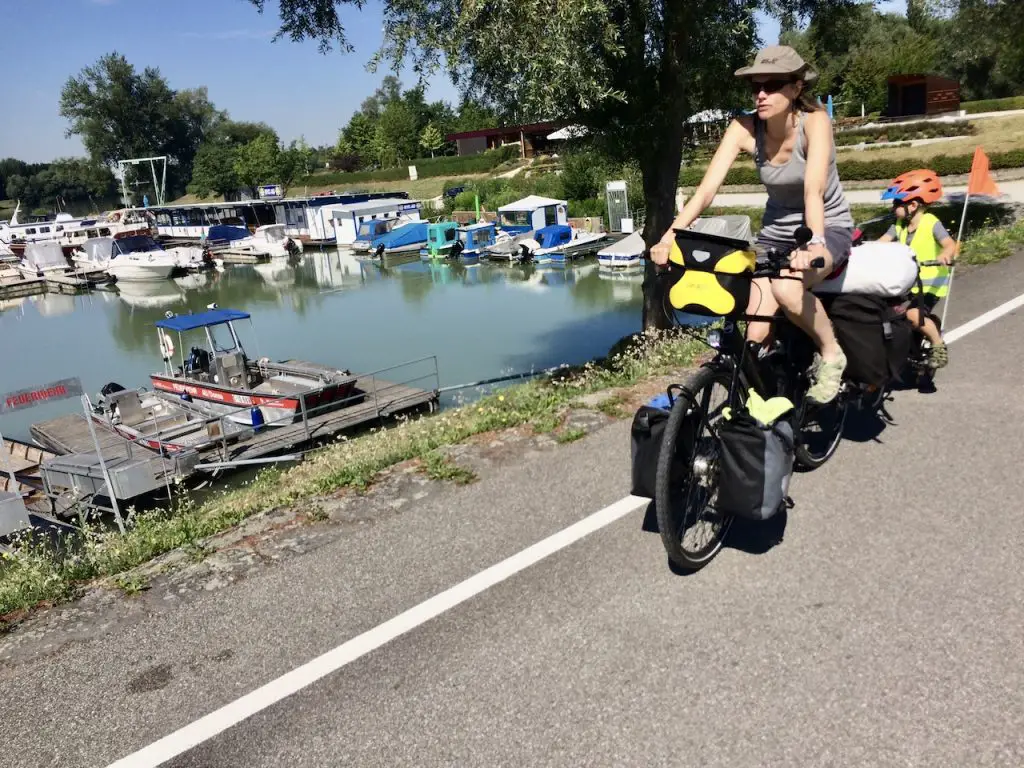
x: 922, y: 184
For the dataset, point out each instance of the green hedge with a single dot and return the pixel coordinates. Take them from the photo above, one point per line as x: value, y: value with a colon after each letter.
x: 872, y: 170
x: 426, y: 168
x: 904, y: 132
x: 993, y: 105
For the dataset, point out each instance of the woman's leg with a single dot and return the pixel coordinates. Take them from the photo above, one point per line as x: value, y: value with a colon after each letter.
x: 762, y: 303
x: 805, y: 311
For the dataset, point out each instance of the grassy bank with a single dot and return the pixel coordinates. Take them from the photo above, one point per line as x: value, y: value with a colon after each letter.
x: 990, y: 245
x: 33, y: 574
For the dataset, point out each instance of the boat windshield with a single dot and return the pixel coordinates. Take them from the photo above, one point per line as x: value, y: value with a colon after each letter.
x: 274, y: 234
x: 371, y: 229
x: 222, y: 339
x: 137, y: 244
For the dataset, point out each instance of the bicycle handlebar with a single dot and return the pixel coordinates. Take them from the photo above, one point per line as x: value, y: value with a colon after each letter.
x: 778, y: 259
x: 935, y: 263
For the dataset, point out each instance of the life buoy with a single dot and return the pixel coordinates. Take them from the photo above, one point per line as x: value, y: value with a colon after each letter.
x: 166, y: 346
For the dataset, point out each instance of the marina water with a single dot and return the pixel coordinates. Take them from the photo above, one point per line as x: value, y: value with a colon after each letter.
x: 330, y: 307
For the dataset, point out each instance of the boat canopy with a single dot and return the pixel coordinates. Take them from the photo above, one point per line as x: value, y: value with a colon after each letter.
x: 227, y: 232
x: 554, y: 235
x: 43, y: 254
x: 98, y: 249
x: 182, y: 323
x: 531, y: 203
x: 632, y: 245
x: 406, y: 234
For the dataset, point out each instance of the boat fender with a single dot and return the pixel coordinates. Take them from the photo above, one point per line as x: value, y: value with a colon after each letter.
x: 166, y: 346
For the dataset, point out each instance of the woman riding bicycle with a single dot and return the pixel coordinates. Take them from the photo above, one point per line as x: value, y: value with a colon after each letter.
x: 790, y: 138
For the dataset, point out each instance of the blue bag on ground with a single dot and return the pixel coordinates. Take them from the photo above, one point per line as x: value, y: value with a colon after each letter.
x: 755, y: 465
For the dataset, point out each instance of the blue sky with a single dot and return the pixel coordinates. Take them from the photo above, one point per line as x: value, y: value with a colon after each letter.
x: 222, y: 44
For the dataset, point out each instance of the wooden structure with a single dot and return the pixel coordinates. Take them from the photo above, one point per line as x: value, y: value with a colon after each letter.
x: 374, y: 400
x: 911, y: 95
x: 532, y: 139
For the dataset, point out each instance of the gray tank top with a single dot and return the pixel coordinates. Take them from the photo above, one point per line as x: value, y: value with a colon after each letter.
x: 784, y: 213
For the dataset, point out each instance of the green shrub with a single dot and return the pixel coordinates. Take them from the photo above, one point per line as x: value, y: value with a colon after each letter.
x: 904, y: 132
x: 425, y: 168
x: 993, y: 105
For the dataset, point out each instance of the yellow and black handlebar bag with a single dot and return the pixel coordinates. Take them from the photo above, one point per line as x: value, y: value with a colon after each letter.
x: 714, y: 274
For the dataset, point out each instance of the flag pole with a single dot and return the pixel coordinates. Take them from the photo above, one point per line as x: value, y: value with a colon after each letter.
x: 952, y: 271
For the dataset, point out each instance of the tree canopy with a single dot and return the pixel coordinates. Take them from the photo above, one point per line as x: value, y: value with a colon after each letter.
x: 120, y: 113
x: 630, y: 71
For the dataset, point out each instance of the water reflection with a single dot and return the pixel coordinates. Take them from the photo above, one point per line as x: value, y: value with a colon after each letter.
x: 480, y: 320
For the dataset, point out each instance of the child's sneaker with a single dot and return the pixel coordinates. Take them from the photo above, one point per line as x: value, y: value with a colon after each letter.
x: 938, y: 356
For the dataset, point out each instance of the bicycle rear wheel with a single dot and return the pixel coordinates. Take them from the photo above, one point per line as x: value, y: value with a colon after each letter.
x: 819, y: 432
x: 686, y: 485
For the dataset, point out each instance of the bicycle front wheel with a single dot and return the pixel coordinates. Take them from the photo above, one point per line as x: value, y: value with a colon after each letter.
x: 686, y: 485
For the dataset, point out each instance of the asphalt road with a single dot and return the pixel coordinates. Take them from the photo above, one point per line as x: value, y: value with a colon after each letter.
x: 884, y: 628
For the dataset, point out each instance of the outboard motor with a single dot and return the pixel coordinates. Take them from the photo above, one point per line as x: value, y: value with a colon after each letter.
x: 106, y: 391
x: 457, y: 248
x: 379, y: 253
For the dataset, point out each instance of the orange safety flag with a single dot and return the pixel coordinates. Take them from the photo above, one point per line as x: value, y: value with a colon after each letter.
x: 981, y: 181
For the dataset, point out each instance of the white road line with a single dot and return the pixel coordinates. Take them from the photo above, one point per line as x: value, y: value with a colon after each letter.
x: 231, y: 714
x: 220, y: 720
x: 982, y: 320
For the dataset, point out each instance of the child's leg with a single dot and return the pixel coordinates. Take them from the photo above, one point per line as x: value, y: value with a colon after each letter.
x: 938, y: 354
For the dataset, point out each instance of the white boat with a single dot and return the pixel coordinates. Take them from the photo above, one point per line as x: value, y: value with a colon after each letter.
x: 161, y: 422
x: 270, y: 241
x: 624, y: 253
x: 70, y: 232
x: 42, y: 258
x: 138, y: 257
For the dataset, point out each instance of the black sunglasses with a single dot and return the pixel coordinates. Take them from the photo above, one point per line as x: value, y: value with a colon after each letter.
x: 769, y: 86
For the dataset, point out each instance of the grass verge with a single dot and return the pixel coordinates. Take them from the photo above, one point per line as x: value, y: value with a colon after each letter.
x: 33, y: 574
x: 991, y: 245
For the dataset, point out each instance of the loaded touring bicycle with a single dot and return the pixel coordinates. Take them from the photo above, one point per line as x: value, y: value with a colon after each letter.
x: 724, y: 443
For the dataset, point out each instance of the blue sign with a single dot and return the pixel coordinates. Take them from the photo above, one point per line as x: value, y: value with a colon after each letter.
x: 409, y: 207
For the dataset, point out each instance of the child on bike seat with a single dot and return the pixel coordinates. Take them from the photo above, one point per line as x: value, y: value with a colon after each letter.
x: 911, y: 193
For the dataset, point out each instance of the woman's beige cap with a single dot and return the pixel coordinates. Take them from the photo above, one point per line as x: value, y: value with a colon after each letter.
x: 779, y: 60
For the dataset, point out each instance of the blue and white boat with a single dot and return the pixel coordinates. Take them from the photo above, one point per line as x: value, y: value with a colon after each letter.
x: 623, y: 254
x: 532, y: 213
x: 474, y: 239
x: 403, y: 238
x: 561, y: 243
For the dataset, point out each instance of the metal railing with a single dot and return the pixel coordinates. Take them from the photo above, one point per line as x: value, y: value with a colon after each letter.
x: 408, y: 387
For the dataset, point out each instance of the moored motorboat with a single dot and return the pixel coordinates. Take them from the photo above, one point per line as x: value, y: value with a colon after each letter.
x: 222, y: 373
x: 161, y: 422
x: 136, y: 257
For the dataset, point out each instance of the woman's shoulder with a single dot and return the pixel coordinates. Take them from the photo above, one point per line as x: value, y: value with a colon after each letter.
x: 817, y: 121
x: 746, y: 122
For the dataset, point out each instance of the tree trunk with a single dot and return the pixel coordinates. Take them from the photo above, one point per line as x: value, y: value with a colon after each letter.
x: 660, y: 171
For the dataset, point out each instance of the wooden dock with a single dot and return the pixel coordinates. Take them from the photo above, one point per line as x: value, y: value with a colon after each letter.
x: 374, y: 401
x: 74, y: 282
x: 13, y: 284
x: 69, y: 434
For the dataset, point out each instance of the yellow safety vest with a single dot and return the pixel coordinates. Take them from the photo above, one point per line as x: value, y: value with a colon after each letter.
x: 926, y: 248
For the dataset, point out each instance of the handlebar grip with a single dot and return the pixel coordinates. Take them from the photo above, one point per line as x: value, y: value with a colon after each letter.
x: 818, y: 263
